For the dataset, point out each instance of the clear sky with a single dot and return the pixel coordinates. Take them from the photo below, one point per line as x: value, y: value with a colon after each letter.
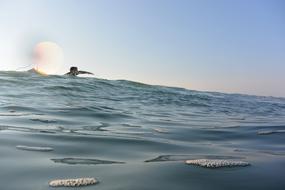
x: 214, y: 45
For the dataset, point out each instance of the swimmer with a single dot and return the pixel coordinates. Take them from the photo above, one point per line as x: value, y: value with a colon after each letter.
x: 74, y: 72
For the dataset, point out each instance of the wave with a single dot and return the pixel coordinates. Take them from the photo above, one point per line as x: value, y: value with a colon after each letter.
x: 125, y: 99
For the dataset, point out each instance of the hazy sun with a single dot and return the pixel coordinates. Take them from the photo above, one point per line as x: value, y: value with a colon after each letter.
x: 48, y: 57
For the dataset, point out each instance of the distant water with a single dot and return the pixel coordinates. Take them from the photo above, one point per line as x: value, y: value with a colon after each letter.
x: 133, y: 136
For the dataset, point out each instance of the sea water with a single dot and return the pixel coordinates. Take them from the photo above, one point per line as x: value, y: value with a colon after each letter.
x: 130, y: 135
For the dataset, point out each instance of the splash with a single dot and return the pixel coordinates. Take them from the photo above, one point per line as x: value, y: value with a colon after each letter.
x: 48, y: 58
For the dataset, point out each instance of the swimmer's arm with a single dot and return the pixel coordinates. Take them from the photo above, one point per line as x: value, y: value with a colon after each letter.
x: 67, y: 73
x: 85, y: 72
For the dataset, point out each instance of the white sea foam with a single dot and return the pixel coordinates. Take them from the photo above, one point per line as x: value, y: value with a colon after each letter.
x: 216, y: 163
x: 73, y: 182
x: 34, y: 148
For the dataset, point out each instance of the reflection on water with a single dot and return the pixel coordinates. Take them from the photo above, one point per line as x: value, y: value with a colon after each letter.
x: 84, y: 161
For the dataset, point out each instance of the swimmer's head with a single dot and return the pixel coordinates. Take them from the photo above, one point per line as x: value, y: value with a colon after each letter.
x: 73, y: 69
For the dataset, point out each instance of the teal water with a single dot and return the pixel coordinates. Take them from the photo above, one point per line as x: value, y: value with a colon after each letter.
x: 134, y: 136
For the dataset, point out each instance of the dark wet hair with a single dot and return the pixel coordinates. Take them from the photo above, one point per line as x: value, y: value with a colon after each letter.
x: 73, y: 69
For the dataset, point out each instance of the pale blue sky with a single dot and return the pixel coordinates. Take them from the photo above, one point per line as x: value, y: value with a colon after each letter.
x: 214, y: 45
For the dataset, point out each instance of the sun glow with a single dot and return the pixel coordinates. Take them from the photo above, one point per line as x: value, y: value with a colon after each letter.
x: 48, y: 58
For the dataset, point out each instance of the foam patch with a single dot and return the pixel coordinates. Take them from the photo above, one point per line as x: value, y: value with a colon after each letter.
x: 215, y: 163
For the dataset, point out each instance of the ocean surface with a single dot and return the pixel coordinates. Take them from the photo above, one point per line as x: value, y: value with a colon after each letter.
x: 133, y: 136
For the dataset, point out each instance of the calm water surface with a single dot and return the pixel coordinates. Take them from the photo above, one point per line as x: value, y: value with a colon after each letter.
x: 135, y: 136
